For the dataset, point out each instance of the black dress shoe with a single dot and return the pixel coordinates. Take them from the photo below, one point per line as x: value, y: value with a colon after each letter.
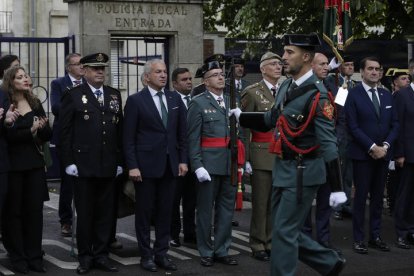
x: 206, y: 261
x: 410, y: 238
x: 401, y: 243
x: 82, y: 269
x: 148, y: 264
x: 338, y: 215
x: 175, y: 243
x: 261, y: 256
x: 378, y: 244
x: 328, y: 244
x: 338, y: 267
x: 105, y: 265
x: 360, y: 248
x: 235, y: 223
x: 38, y: 268
x: 20, y: 268
x: 227, y: 260
x: 165, y: 263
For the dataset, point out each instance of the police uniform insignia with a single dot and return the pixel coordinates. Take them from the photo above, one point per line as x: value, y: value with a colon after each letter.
x: 214, y: 111
x: 328, y: 110
x: 86, y: 117
x: 84, y: 99
x: 99, y: 57
x: 115, y: 119
x: 114, y: 104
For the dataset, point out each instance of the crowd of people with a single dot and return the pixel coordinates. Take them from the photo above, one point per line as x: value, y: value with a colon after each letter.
x: 315, y: 134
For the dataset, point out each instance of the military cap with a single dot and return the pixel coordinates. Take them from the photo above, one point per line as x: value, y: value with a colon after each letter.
x: 199, y: 72
x: 307, y: 41
x: 210, y: 66
x: 95, y: 60
x: 398, y: 74
x: 348, y: 58
x: 270, y: 55
x: 238, y: 60
x: 216, y: 57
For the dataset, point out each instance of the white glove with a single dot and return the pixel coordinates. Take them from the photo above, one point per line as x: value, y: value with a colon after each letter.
x: 249, y: 169
x: 202, y: 175
x: 119, y: 171
x: 334, y: 64
x: 337, y: 198
x: 72, y: 170
x: 236, y: 112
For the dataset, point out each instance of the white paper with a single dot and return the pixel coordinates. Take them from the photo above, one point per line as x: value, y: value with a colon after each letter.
x: 341, y: 96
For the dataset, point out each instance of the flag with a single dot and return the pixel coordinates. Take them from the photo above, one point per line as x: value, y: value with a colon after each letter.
x: 337, y: 31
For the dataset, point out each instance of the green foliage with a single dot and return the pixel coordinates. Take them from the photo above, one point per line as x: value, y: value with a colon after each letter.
x: 385, y: 19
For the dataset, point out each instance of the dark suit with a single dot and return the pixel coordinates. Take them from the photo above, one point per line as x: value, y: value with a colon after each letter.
x: 156, y: 151
x: 366, y: 129
x: 91, y: 139
x: 185, y: 192
x: 23, y: 214
x: 58, y: 88
x: 332, y: 83
x: 404, y: 147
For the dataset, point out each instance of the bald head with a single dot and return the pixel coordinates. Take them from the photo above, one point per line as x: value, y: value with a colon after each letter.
x: 320, y: 66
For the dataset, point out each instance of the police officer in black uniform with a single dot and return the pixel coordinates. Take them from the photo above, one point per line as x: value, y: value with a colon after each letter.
x: 91, y: 128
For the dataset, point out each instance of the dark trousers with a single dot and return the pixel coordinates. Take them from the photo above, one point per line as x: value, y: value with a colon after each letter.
x: 322, y: 214
x: 347, y: 175
x: 185, y: 192
x: 404, y: 203
x: 65, y: 194
x: 23, y: 216
x: 154, y: 196
x: 94, y: 200
x: 118, y: 189
x: 3, y: 193
x: 369, y: 177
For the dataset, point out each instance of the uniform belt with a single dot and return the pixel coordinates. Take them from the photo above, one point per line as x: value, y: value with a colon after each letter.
x: 261, y: 137
x: 215, y: 142
x: 294, y: 155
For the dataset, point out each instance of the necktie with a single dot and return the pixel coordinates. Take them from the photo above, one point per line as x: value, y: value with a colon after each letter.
x: 164, y: 113
x: 239, y: 86
x: 273, y: 89
x: 375, y: 101
x: 76, y: 82
x: 221, y: 102
x: 349, y: 84
x: 99, y: 96
x: 187, y: 100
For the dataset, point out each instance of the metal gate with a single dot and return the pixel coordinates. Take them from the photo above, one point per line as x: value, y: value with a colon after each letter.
x: 43, y: 59
x: 129, y: 54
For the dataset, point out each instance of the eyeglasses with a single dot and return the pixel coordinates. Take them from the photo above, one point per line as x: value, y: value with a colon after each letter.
x: 216, y: 75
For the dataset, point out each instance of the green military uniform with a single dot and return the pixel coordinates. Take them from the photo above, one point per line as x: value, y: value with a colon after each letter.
x: 289, y: 214
x: 207, y: 120
x: 258, y: 98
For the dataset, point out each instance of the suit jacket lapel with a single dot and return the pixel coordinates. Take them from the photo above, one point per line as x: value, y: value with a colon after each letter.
x: 367, y: 99
x: 170, y: 104
x: 151, y: 105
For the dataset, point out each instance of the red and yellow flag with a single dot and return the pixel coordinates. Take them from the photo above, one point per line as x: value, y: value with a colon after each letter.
x: 337, y: 31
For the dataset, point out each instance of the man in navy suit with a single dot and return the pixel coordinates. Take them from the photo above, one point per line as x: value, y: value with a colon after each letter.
x: 155, y: 152
x: 373, y: 125
x: 59, y: 86
x: 185, y: 191
x: 404, y: 158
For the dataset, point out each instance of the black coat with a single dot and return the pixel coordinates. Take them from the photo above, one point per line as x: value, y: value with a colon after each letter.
x: 404, y: 146
x: 4, y: 160
x: 91, y: 135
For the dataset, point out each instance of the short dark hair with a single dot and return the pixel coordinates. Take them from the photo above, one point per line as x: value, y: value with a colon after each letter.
x: 177, y: 72
x: 5, y: 62
x: 363, y: 62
